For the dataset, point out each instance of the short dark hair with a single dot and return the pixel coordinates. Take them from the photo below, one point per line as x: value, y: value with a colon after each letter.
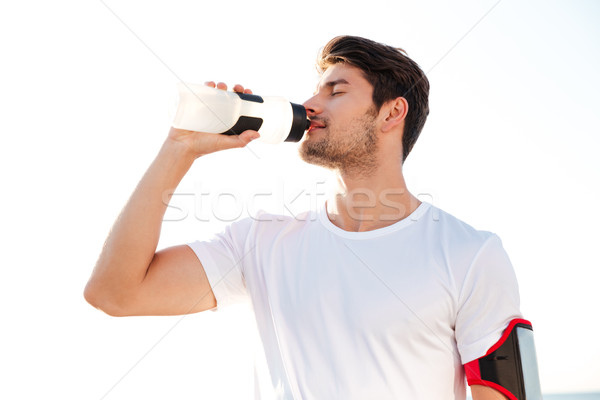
x: 391, y: 73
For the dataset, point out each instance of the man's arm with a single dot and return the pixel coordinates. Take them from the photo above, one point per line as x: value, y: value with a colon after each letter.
x: 130, y: 278
x: 481, y: 392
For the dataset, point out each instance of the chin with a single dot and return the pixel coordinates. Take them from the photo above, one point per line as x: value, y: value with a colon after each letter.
x: 312, y: 155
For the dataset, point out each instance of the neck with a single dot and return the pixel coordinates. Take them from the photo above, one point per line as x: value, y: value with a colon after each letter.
x: 362, y: 203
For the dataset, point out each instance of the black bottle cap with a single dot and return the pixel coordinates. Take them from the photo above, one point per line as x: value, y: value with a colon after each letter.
x: 299, y: 123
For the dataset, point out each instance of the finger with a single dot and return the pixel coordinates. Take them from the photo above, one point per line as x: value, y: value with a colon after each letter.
x: 235, y: 141
x: 221, y: 86
x: 247, y: 136
x: 248, y: 91
x: 210, y: 83
x: 238, y: 88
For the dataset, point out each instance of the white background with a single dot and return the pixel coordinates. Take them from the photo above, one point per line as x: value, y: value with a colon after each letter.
x: 510, y: 146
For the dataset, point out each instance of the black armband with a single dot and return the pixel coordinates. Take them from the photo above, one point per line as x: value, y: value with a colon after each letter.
x: 510, y: 365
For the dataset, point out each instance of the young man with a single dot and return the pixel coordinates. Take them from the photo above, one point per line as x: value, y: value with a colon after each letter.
x: 376, y: 296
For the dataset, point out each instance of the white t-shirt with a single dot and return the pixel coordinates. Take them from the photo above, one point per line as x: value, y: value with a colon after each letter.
x: 391, y: 313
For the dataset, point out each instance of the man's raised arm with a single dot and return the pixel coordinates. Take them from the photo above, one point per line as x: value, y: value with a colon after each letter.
x: 130, y: 277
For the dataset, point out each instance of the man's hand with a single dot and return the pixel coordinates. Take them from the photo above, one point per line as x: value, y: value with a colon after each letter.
x: 200, y: 143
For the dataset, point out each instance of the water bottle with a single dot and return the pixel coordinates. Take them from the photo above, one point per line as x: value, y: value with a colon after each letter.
x: 204, y: 109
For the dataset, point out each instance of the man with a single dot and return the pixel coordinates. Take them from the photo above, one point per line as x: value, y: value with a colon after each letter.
x: 376, y: 296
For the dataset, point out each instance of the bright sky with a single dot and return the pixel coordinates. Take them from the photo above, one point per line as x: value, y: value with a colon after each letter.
x: 510, y: 146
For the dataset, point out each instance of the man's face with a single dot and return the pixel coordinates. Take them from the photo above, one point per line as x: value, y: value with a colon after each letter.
x: 342, y: 135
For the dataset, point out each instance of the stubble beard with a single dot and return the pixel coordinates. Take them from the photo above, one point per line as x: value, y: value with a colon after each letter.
x: 350, y: 151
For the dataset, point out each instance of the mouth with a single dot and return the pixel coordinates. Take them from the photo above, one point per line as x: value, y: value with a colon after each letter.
x: 315, y: 126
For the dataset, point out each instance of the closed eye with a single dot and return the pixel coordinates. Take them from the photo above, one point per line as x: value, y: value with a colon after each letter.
x: 336, y: 93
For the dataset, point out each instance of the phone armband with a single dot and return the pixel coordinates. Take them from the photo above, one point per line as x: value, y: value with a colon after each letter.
x: 509, y: 366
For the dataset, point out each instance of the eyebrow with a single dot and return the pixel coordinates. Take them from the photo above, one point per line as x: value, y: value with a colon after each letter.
x: 337, y: 82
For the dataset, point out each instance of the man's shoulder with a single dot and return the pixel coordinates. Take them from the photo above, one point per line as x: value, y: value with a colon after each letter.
x: 266, y: 217
x: 458, y: 244
x: 456, y: 231
x: 263, y: 222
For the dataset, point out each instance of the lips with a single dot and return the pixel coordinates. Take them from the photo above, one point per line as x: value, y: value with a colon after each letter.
x: 314, y: 125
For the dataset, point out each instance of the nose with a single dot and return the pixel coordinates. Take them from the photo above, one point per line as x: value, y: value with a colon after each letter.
x: 313, y: 106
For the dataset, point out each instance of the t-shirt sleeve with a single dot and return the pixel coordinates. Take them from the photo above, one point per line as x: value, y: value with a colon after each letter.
x: 223, y: 258
x: 488, y: 301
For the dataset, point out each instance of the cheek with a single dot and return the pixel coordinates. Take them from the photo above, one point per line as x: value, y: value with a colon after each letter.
x: 340, y: 116
x: 349, y: 108
x: 346, y: 121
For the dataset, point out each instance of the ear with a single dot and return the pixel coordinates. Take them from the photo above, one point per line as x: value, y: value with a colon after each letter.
x: 394, y: 113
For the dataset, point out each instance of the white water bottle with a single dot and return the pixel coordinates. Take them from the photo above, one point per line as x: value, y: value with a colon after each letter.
x: 204, y: 109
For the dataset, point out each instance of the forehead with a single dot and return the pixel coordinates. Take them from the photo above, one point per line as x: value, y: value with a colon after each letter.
x: 344, y: 73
